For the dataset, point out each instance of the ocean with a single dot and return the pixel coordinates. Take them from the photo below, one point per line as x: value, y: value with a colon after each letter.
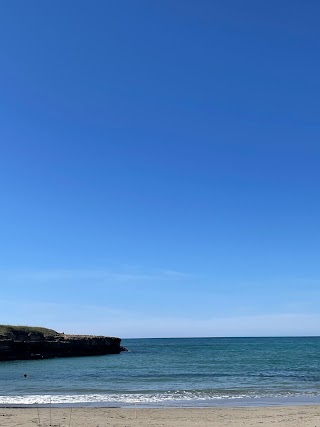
x: 171, y: 372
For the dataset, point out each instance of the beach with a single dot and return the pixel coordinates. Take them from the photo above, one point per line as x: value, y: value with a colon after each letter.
x: 169, y: 382
x: 290, y: 416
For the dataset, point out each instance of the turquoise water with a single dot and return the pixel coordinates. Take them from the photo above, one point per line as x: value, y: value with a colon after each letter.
x: 173, y: 372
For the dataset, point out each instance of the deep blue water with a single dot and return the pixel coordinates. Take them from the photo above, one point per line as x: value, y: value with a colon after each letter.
x: 173, y: 372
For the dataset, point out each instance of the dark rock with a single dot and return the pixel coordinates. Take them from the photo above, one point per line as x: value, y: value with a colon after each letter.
x: 23, y: 343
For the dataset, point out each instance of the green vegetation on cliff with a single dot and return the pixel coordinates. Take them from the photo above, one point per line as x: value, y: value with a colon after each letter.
x: 7, y: 329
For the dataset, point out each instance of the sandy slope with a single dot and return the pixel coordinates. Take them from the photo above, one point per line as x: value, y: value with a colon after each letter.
x: 293, y: 416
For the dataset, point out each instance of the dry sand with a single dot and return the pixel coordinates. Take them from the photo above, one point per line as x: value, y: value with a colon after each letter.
x: 293, y: 416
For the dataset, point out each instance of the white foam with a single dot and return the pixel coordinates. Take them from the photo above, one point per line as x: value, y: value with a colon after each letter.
x: 136, y: 398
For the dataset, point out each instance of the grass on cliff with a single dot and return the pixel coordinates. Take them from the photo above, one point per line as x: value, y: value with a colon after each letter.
x: 6, y: 329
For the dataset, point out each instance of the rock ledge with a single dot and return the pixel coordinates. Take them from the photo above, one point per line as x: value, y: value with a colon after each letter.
x: 25, y: 343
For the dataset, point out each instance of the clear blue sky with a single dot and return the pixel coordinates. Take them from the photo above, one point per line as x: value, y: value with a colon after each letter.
x: 160, y: 166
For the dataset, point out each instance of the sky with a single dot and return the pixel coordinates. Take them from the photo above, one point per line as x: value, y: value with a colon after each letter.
x: 159, y: 167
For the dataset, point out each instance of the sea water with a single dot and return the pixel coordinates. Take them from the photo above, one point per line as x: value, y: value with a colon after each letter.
x: 173, y: 372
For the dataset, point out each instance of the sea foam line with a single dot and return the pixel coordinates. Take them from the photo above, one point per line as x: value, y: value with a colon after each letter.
x: 135, y: 398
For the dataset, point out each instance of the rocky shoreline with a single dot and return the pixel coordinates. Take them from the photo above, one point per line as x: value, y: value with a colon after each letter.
x: 26, y: 343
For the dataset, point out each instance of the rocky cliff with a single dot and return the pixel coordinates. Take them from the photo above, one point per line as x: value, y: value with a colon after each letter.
x: 23, y: 343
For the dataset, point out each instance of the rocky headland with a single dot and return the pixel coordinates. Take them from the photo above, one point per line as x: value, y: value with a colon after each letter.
x: 25, y: 343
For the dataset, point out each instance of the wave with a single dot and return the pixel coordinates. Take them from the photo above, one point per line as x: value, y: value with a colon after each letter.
x: 170, y: 398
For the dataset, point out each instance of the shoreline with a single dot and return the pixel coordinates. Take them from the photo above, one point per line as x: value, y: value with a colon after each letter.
x: 286, y: 416
x: 258, y: 402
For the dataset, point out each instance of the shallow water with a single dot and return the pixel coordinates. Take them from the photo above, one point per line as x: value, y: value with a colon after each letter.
x: 173, y: 372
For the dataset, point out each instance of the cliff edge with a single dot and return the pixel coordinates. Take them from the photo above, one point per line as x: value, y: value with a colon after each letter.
x: 25, y: 342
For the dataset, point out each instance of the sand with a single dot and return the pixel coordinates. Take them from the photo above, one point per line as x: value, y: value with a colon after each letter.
x: 293, y: 416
